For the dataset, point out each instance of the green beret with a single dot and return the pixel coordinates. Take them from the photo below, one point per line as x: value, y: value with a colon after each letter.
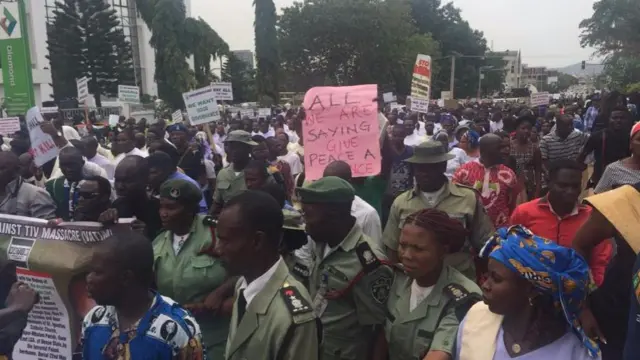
x: 330, y: 189
x: 181, y: 190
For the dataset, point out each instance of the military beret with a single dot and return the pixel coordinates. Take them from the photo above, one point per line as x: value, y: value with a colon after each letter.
x: 181, y: 190
x: 177, y: 127
x: 330, y: 189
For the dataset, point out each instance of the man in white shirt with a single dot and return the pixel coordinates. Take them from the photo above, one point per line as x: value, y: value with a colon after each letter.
x: 90, y: 151
x: 412, y: 138
x: 280, y: 148
x: 124, y: 145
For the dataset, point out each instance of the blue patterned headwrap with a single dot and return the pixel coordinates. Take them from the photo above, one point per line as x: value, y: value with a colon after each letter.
x: 473, y: 137
x: 551, y: 268
x: 446, y: 118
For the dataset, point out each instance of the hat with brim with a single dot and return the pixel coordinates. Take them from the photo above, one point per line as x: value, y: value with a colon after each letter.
x: 240, y: 136
x: 292, y: 220
x: 429, y: 152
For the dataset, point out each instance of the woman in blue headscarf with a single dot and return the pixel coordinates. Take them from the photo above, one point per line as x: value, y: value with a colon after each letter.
x: 532, y: 297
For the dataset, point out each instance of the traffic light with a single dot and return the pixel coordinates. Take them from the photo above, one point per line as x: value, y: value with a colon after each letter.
x: 584, y: 64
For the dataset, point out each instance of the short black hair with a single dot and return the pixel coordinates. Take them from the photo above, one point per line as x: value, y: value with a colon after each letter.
x: 525, y: 118
x: 260, y: 212
x: 132, y: 251
x: 563, y: 164
x: 103, y: 184
x: 161, y: 160
x: 276, y: 191
x: 258, y: 138
x: 138, y: 162
x: 258, y: 165
x: 283, y: 134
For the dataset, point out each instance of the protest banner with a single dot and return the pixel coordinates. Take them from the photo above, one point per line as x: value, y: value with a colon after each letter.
x: 223, y: 91
x: 341, y: 124
x: 388, y: 97
x: 419, y: 105
x: 129, y: 94
x: 539, y: 99
x: 9, y: 125
x: 202, y: 106
x: 113, y: 120
x: 264, y: 112
x: 421, y: 80
x: 82, y: 86
x: 176, y: 116
x: 250, y: 113
x: 54, y: 262
x: 445, y: 95
x: 43, y: 148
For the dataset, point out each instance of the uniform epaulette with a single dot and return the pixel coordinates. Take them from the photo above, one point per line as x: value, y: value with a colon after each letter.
x: 296, y: 304
x: 367, y: 258
x: 462, y: 299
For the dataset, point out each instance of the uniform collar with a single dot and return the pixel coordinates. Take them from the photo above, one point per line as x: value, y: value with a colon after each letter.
x: 252, y: 289
x: 449, y: 189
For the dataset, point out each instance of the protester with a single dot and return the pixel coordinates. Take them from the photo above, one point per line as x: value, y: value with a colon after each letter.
x: 558, y: 215
x: 528, y: 157
x: 13, y: 315
x: 280, y: 148
x: 140, y: 141
x: 184, y: 272
x: 412, y: 137
x: 365, y: 215
x: 428, y: 300
x: 272, y: 314
x: 30, y: 172
x: 256, y: 175
x: 90, y: 151
x: 400, y: 177
x: 94, y: 198
x: 191, y: 159
x: 280, y: 169
x: 458, y: 155
x: 434, y: 190
x: 351, y: 311
x: 131, y: 318
x: 163, y: 169
x: 624, y: 171
x: 564, y: 143
x: 468, y: 141
x: 124, y: 145
x: 496, y: 183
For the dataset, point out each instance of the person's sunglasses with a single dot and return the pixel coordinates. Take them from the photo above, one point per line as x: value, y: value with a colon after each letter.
x: 88, y: 195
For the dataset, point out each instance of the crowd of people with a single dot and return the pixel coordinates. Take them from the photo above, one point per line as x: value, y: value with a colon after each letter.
x: 473, y: 242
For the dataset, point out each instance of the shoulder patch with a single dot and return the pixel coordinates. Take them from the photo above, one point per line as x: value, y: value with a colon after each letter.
x: 294, y: 301
x: 367, y: 258
x: 380, y: 289
x: 301, y: 270
x: 462, y: 299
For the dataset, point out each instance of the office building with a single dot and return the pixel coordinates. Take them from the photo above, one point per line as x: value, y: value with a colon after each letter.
x: 512, y: 67
x: 246, y: 56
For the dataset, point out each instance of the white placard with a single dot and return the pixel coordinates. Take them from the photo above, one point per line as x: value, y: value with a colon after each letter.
x: 176, y: 117
x: 43, y: 148
x: 113, y: 120
x: 223, y: 91
x: 248, y: 113
x: 388, y: 97
x: 49, y: 110
x: 82, y: 86
x: 540, y: 99
x: 419, y: 104
x: 264, y: 112
x: 129, y: 94
x: 9, y: 125
x: 202, y: 106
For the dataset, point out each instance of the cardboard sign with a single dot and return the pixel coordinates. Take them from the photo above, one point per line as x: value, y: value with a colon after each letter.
x: 264, y: 112
x: 223, y: 91
x: 419, y: 105
x: 202, y: 106
x: 43, y: 148
x: 341, y: 124
x: 540, y: 99
x: 388, y: 97
x: 445, y: 95
x: 176, y: 117
x: 82, y: 86
x: 421, y: 79
x: 113, y: 120
x: 9, y: 126
x: 248, y: 113
x: 129, y: 94
x: 54, y: 262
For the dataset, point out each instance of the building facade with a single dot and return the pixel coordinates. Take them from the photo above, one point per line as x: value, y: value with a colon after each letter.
x: 512, y: 67
x: 246, y: 56
x: 536, y: 75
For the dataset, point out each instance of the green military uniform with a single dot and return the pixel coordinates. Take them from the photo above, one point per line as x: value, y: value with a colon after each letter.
x: 433, y: 323
x: 278, y: 323
x: 349, y: 283
x: 459, y: 202
x: 188, y: 276
x: 228, y: 184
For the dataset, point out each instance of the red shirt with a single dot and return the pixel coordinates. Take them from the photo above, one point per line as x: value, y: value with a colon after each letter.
x: 538, y: 216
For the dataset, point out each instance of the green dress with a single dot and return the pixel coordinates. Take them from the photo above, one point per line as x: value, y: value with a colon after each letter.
x: 188, y: 278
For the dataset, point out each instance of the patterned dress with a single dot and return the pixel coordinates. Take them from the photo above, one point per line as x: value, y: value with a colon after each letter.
x: 495, y: 185
x: 525, y: 167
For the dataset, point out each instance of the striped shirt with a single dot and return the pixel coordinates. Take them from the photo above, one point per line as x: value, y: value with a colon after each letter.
x: 616, y: 175
x: 553, y: 148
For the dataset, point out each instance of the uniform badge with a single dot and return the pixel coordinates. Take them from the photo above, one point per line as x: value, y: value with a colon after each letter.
x: 294, y: 301
x: 380, y: 288
x: 367, y: 258
x: 168, y: 330
x: 175, y: 193
x: 462, y: 299
x: 301, y: 270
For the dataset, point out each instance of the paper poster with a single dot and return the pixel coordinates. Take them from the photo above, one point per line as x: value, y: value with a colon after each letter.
x: 49, y: 110
x: 421, y: 79
x: 341, y: 124
x: 264, y: 112
x: 388, y: 97
x: 9, y: 126
x: 419, y: 105
x: 176, y: 116
x: 223, y: 91
x: 43, y: 148
x: 250, y: 113
x: 82, y: 86
x: 202, y: 106
x: 113, y: 120
x: 540, y: 99
x: 53, y: 261
x: 129, y: 94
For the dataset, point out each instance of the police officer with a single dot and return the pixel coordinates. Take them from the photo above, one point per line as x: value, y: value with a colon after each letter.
x: 272, y: 314
x: 434, y: 190
x: 230, y: 181
x: 349, y: 281
x: 427, y: 301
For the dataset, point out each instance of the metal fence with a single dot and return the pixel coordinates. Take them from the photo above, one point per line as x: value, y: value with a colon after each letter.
x: 101, y: 113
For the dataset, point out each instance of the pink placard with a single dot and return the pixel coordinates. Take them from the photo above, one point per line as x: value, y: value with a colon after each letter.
x: 341, y: 124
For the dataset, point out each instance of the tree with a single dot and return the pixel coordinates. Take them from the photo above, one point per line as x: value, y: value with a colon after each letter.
x: 349, y: 42
x: 205, y: 45
x: 621, y: 70
x: 267, y: 59
x: 241, y: 76
x: 613, y: 28
x: 86, y: 39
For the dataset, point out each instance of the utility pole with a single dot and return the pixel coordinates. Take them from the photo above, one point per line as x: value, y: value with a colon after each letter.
x: 453, y: 76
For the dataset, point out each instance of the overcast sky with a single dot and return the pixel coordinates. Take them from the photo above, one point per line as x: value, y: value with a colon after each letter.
x: 546, y: 31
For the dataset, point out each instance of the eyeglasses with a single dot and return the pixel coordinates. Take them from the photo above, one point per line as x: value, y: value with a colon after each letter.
x: 88, y: 195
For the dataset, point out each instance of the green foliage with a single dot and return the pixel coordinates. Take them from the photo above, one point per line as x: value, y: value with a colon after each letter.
x: 267, y: 58
x: 494, y: 75
x: 348, y: 42
x: 565, y: 81
x: 242, y: 77
x: 85, y: 39
x: 613, y: 28
x: 205, y: 45
x: 621, y: 70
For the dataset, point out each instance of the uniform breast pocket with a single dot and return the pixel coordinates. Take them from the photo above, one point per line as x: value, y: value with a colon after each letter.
x: 422, y: 342
x: 223, y: 185
x: 203, y: 272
